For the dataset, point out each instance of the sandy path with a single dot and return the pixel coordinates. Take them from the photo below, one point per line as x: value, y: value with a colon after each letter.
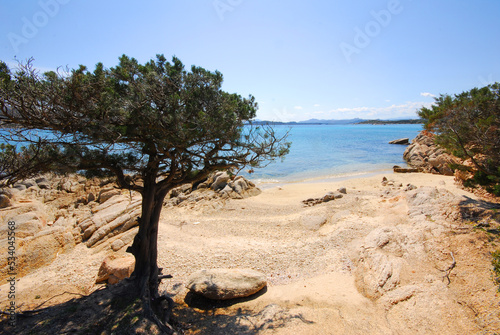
x: 321, y: 263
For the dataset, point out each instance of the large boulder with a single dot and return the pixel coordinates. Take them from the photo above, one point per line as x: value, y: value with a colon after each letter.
x: 223, y: 284
x: 220, y: 181
x: 424, y: 154
x: 114, y: 269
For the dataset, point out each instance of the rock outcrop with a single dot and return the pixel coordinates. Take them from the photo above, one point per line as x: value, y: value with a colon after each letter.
x: 49, y: 212
x: 423, y: 153
x: 115, y: 216
x: 224, y: 284
x: 387, y: 252
x: 326, y: 198
x: 53, y: 214
x: 220, y: 185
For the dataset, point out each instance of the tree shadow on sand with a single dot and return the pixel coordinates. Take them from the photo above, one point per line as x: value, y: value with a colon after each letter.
x: 482, y: 213
x: 212, y: 317
x: 115, y: 309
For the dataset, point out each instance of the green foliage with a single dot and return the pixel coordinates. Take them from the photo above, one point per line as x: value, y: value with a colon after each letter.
x: 495, y: 261
x: 136, y: 118
x: 155, y: 126
x: 468, y: 126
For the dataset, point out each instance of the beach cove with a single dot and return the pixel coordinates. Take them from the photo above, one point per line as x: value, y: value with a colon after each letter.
x: 375, y: 261
x: 330, y: 151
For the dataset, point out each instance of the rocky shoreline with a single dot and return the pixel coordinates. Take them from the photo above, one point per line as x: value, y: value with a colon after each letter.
x: 426, y: 156
x: 53, y: 214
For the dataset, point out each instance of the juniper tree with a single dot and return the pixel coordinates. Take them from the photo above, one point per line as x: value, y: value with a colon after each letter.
x: 153, y: 126
x: 468, y: 126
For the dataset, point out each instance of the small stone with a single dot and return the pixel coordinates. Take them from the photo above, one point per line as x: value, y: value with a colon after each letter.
x: 29, y: 183
x: 327, y: 197
x: 90, y: 197
x: 410, y: 187
x: 338, y: 195
x: 19, y: 187
x: 4, y: 201
x: 117, y: 245
x: 66, y: 186
x: 43, y: 183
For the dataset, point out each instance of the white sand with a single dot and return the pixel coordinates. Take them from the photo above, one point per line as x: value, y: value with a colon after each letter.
x: 325, y: 263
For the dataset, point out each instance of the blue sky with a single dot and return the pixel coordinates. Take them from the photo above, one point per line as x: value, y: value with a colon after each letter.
x: 300, y: 59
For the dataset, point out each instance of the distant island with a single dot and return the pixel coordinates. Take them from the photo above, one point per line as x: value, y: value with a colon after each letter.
x: 410, y: 121
x: 338, y: 122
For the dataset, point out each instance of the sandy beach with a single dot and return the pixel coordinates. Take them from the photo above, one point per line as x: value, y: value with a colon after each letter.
x: 399, y: 257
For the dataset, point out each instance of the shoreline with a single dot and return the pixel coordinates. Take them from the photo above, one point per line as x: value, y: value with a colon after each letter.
x: 265, y: 184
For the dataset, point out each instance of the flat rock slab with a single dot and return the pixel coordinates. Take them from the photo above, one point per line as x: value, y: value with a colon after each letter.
x: 401, y: 141
x: 398, y: 169
x: 224, y: 284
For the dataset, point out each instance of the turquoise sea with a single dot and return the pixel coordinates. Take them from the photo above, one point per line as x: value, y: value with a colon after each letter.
x: 331, y: 151
x: 336, y: 151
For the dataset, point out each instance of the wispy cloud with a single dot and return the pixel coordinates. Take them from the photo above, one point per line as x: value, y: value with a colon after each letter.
x: 316, y: 105
x: 298, y: 107
x: 406, y: 110
x: 427, y: 95
x: 13, y: 66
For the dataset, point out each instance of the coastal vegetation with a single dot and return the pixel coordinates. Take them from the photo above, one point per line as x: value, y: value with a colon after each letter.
x: 468, y: 126
x: 152, y: 126
x: 315, y: 122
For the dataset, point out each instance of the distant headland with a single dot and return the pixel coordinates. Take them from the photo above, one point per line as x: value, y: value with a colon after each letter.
x: 339, y: 122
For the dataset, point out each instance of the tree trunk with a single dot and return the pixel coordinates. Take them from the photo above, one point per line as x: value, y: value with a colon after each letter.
x: 145, y: 251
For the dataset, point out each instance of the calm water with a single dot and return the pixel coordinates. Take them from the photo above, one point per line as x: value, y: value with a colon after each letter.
x: 330, y: 151
x: 325, y: 151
